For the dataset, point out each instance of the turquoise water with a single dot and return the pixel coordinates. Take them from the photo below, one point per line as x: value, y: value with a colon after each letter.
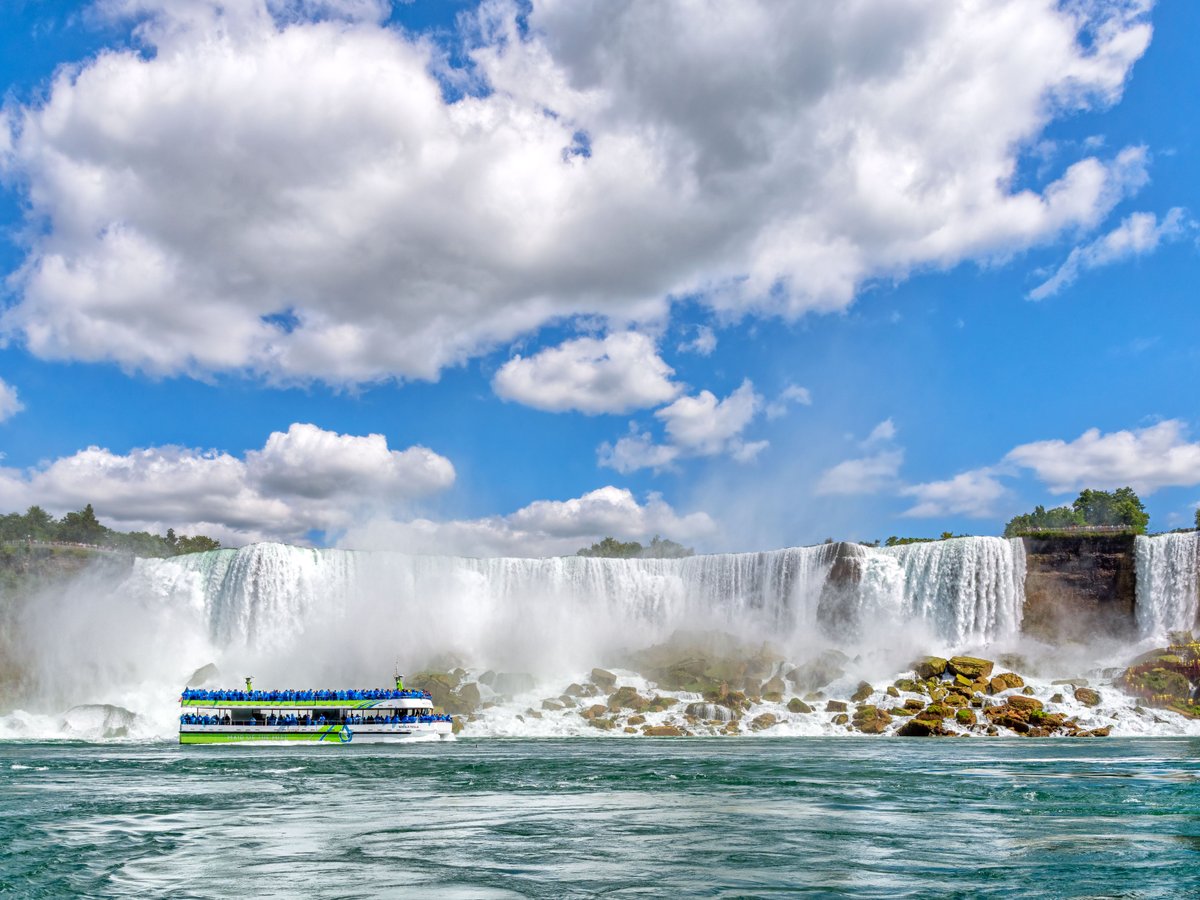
x: 611, y: 817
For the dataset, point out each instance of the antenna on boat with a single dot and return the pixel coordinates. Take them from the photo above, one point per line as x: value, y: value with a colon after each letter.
x: 249, y: 687
x: 399, y: 678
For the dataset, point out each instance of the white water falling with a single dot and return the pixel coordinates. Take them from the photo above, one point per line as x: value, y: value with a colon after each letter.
x: 1168, y: 583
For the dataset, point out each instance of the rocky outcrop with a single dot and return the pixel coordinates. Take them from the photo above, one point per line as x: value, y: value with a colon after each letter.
x: 1168, y: 677
x: 1079, y: 586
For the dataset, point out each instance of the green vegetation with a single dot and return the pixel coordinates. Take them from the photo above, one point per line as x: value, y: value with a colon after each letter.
x: 1121, y: 508
x: 83, y: 527
x: 894, y: 541
x: 660, y: 548
x: 1198, y: 518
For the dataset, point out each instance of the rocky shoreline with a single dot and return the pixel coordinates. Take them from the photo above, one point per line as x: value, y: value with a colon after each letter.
x: 712, y: 686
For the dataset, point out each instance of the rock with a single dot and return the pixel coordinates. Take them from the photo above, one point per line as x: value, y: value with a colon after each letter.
x: 841, y: 719
x: 766, y: 720
x: 552, y: 705
x: 907, y: 684
x: 964, y: 717
x: 1057, y: 698
x: 970, y: 667
x: 862, y: 692
x: 567, y: 700
x: 1020, y: 701
x: 957, y: 700
x: 457, y: 724
x: 604, y: 724
x: 920, y: 728
x: 1087, y: 696
x: 1005, y: 681
x: 891, y: 691
x: 929, y: 667
x: 819, y: 672
x: 1097, y: 732
x: 604, y: 679
x: 204, y: 676
x: 574, y: 690
x: 835, y: 706
x: 796, y: 705
x: 774, y: 685
x: 914, y: 704
x: 630, y: 730
x: 593, y: 711
x: 658, y: 704
x: 1073, y: 682
x: 468, y: 695
x: 533, y: 713
x: 871, y: 719
x: 663, y: 731
x: 98, y: 721
x: 637, y: 720
x: 934, y: 712
x: 628, y: 698
x: 487, y: 678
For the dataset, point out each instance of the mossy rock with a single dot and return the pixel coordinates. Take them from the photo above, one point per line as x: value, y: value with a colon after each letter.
x: 836, y: 706
x: 637, y: 720
x: 593, y: 712
x: 659, y: 704
x: 773, y: 696
x: 891, y: 691
x: 841, y: 719
x: 627, y: 698
x: 914, y: 704
x: 604, y: 724
x: 629, y: 729
x: 970, y: 667
x: 907, y: 684
x: 871, y: 719
x: 929, y: 667
x: 1020, y: 701
x: 552, y: 705
x: 766, y: 720
x: 796, y: 705
x: 774, y: 685
x: 964, y: 717
x: 862, y: 692
x: 935, y: 712
x: 921, y: 728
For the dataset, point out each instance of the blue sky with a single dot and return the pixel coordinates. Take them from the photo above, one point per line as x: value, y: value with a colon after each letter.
x: 816, y: 274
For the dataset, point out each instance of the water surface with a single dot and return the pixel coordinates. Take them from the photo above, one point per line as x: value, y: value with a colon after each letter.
x: 606, y: 817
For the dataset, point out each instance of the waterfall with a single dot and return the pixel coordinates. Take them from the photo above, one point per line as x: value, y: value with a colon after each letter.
x: 271, y: 597
x: 1168, y: 583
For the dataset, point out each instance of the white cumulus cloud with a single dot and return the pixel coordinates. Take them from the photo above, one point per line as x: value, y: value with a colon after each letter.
x: 296, y: 190
x: 695, y: 426
x: 1145, y: 459
x: 974, y: 494
x: 10, y: 403
x: 1137, y: 235
x: 543, y: 528
x: 302, y: 480
x: 864, y: 475
x: 615, y: 374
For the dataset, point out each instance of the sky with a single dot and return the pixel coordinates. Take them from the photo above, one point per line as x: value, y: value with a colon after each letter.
x: 503, y: 278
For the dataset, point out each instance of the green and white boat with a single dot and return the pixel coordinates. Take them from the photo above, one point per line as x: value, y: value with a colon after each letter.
x: 339, y: 716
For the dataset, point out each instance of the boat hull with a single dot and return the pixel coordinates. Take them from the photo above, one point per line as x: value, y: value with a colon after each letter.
x: 340, y: 735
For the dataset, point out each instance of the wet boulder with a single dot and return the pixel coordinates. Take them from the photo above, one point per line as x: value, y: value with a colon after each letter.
x: 835, y: 706
x: 663, y: 731
x: 796, y: 705
x: 862, y: 692
x: 921, y: 728
x: 970, y: 667
x: 205, y: 676
x: 1005, y: 681
x: 628, y: 698
x: 603, y: 679
x: 1087, y: 696
x: 759, y: 723
x: 929, y: 667
x: 871, y: 719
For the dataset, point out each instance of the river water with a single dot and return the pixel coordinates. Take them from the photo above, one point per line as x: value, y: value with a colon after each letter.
x: 605, y: 816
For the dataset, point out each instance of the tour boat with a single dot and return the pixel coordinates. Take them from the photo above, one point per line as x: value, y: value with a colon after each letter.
x: 375, y: 715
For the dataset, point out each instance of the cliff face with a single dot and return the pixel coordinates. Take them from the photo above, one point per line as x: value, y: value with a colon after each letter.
x: 1080, y: 587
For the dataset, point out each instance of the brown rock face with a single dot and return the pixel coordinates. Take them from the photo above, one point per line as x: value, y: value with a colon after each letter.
x: 835, y: 706
x: 1078, y: 587
x: 862, y: 692
x: 1020, y: 701
x: 1087, y: 696
x: 766, y: 720
x: 921, y: 728
x: 1005, y: 681
x: 930, y: 667
x: 663, y: 731
x: 603, y: 678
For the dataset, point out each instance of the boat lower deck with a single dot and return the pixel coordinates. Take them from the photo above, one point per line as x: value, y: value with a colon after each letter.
x: 325, y: 734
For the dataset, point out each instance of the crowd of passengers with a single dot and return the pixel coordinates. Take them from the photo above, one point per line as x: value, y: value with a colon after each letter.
x: 310, y: 694
x: 306, y: 719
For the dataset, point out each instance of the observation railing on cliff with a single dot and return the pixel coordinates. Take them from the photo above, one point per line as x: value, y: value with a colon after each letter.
x: 1075, y: 529
x: 70, y: 545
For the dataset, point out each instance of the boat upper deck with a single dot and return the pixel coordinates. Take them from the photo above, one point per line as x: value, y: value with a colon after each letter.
x: 373, y: 698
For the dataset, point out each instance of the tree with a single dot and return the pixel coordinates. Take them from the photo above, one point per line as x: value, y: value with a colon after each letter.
x: 197, y: 543
x: 1119, y: 507
x: 1042, y: 519
x: 1198, y: 518
x: 81, y: 527
x: 611, y: 548
x: 661, y: 548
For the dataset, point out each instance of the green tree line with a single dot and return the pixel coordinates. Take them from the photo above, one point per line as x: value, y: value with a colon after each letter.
x: 659, y: 548
x: 82, y: 527
x: 1122, y: 508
